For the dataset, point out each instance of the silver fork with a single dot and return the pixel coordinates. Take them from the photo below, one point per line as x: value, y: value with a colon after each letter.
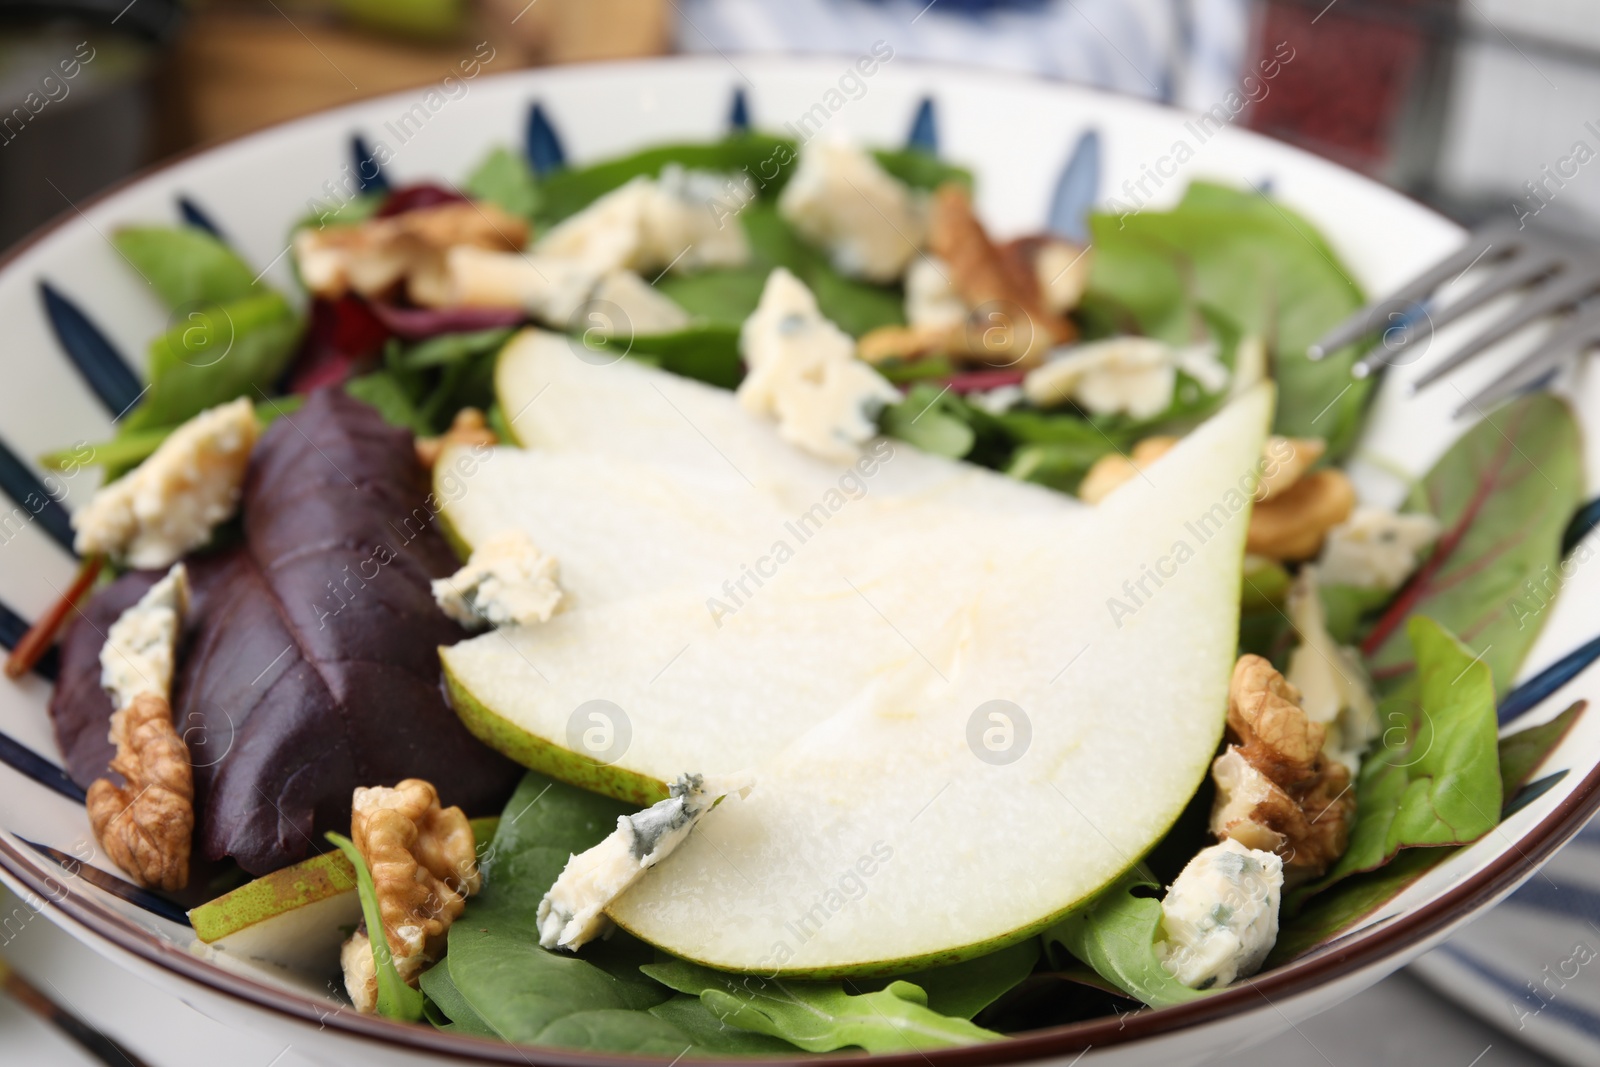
x: 1558, y: 271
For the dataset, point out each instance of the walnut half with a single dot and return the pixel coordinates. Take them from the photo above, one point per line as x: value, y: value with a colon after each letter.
x: 146, y: 824
x: 987, y: 278
x: 424, y: 866
x: 1276, y: 790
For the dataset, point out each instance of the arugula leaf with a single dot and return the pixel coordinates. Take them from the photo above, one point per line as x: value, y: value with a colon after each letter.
x: 930, y: 419
x: 1503, y: 494
x: 1060, y: 465
x: 767, y: 160
x: 384, y: 391
x: 821, y: 1016
x: 726, y: 297
x: 1436, y: 781
x: 911, y: 371
x: 962, y: 990
x: 1259, y: 264
x: 219, y: 353
x: 1057, y: 448
x: 854, y: 306
x: 505, y: 180
x: 453, y: 347
x: 185, y: 264
x: 1329, y: 914
x: 396, y: 1000
x: 1116, y: 935
x: 127, y: 451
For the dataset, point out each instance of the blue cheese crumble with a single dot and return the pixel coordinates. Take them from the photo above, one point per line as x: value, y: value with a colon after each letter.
x: 171, y: 502
x: 573, y: 913
x: 141, y: 646
x: 680, y: 221
x: 507, y: 581
x: 1220, y: 915
x: 871, y: 223
x: 804, y: 373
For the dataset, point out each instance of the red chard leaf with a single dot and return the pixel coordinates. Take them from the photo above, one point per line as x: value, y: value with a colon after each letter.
x: 419, y: 324
x: 310, y: 666
x: 1502, y: 494
x: 343, y: 336
x: 413, y: 197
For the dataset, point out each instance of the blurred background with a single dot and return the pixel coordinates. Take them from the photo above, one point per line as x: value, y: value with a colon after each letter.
x: 1457, y: 102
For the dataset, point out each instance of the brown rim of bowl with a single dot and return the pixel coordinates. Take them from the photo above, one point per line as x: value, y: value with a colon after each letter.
x: 1340, y: 958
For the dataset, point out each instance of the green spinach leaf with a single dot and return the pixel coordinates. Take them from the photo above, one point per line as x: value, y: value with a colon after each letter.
x: 721, y: 298
x: 854, y: 306
x: 449, y: 1009
x: 931, y: 419
x: 1436, y: 780
x: 759, y: 165
x: 1259, y: 264
x: 217, y: 354
x: 396, y: 1000
x: 707, y: 353
x: 1503, y: 494
x: 1116, y: 935
x: 517, y: 988
x: 1329, y: 914
x: 709, y: 1033
x: 1521, y: 753
x: 617, y: 1030
x: 1326, y: 916
x: 505, y: 180
x: 453, y: 347
x: 186, y: 265
x: 821, y: 1016
x: 919, y: 169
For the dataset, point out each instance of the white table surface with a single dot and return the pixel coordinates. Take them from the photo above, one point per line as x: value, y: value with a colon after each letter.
x: 1399, y: 1021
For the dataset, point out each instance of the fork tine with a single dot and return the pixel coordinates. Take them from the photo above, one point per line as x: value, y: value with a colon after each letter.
x: 1555, y: 295
x: 1582, y: 331
x: 1519, y: 270
x: 1370, y: 318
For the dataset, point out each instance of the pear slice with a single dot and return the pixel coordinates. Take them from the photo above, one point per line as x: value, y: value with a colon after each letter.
x: 556, y: 398
x: 1020, y: 764
x: 674, y: 562
x: 295, y: 917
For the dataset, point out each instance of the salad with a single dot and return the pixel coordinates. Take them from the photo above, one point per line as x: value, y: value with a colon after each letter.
x: 725, y: 600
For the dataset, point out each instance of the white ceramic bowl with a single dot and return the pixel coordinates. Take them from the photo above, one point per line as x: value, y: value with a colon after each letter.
x: 1015, y: 133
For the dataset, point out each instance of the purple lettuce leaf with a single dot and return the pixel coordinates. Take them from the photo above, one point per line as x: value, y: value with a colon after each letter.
x: 310, y: 663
